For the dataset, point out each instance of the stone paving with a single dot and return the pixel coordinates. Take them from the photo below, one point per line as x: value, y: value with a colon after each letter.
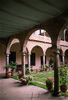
x: 11, y: 89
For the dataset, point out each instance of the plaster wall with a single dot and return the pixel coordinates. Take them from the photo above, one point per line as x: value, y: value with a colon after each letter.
x: 32, y: 44
x: 40, y: 38
x: 2, y: 59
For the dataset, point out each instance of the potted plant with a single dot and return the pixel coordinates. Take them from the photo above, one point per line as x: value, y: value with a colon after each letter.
x: 63, y: 78
x: 31, y: 68
x: 26, y: 70
x: 26, y: 79
x: 41, y: 68
x: 49, y: 83
x: 8, y: 74
x: 13, y: 66
x: 46, y: 67
x: 53, y: 66
x: 19, y: 73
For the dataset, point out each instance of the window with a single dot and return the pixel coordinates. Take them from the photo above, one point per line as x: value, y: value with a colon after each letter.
x: 12, y: 57
x: 42, y: 60
x: 37, y: 32
x: 40, y: 32
x: 33, y: 59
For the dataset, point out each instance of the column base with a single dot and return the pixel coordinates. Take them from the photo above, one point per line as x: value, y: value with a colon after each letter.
x: 55, y: 93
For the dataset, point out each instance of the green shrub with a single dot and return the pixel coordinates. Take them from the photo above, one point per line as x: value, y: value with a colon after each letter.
x: 46, y: 65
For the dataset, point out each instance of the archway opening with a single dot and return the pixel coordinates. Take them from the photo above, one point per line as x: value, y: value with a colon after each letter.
x: 49, y: 58
x: 14, y: 48
x: 36, y: 57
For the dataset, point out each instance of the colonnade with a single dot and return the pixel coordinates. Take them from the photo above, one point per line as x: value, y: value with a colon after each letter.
x: 23, y: 54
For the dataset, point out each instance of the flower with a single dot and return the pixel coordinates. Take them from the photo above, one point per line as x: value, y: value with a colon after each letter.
x: 49, y: 83
x: 31, y: 78
x: 25, y: 79
x: 28, y: 78
x: 49, y: 80
x: 63, y: 75
x: 61, y: 65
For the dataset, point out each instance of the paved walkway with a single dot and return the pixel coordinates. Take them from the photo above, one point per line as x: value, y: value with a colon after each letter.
x: 11, y: 89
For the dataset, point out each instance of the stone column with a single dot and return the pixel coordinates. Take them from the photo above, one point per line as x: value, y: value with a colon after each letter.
x: 63, y: 57
x: 44, y: 62
x: 56, y: 73
x: 23, y: 62
x: 7, y: 58
x: 29, y: 62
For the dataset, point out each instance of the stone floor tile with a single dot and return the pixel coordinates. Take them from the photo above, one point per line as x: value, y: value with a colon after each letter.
x: 11, y: 89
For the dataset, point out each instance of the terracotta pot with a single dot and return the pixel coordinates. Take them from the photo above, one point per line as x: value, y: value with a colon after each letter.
x: 26, y: 72
x: 8, y: 74
x: 53, y: 68
x: 45, y: 69
x: 31, y: 69
x: 24, y: 82
x: 19, y: 75
x: 12, y: 74
x: 49, y: 85
x: 63, y: 88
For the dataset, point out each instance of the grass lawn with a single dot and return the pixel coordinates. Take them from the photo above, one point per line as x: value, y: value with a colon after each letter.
x: 42, y: 76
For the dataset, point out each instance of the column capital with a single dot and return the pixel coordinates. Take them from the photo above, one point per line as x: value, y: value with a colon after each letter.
x: 43, y: 54
x: 63, y: 54
x: 56, y: 47
x: 29, y: 53
x: 7, y: 54
x: 56, y: 52
x: 23, y: 52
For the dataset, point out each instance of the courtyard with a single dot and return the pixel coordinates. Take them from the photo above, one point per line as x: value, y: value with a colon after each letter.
x: 13, y: 90
x: 34, y: 34
x: 39, y: 79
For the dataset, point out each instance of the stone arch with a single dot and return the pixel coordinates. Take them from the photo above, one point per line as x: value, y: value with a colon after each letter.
x: 60, y: 33
x: 33, y: 46
x: 27, y: 50
x: 11, y: 42
x: 29, y: 34
x: 13, y: 51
